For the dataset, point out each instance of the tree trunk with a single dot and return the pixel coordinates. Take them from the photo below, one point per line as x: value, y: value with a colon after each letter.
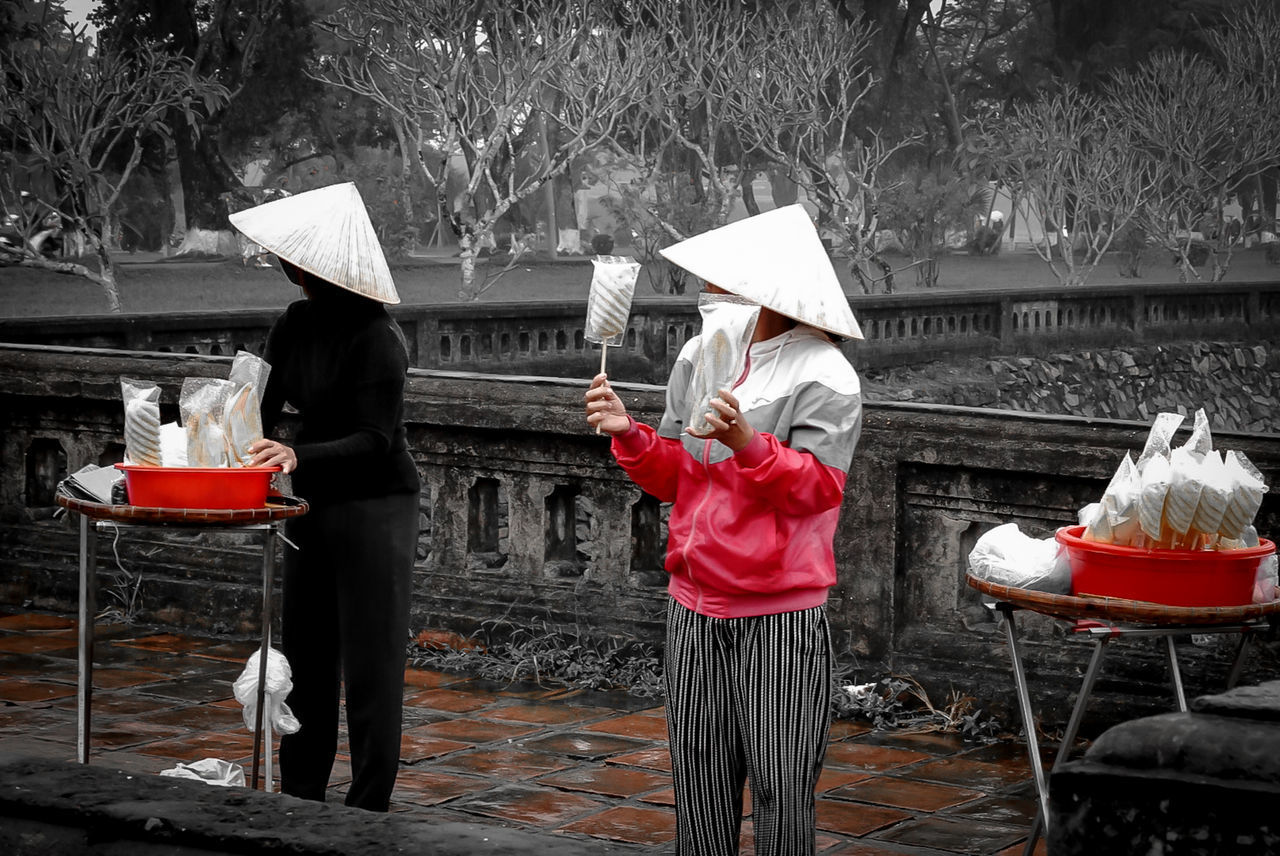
x: 467, y: 290
x: 205, y: 178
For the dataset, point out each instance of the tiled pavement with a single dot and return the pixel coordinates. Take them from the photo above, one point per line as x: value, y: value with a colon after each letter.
x: 562, y: 761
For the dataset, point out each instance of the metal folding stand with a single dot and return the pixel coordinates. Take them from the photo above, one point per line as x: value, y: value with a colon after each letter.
x: 95, y: 518
x: 1101, y: 633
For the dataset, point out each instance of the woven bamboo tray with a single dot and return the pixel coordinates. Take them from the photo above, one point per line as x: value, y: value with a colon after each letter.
x: 277, y: 508
x: 1117, y: 610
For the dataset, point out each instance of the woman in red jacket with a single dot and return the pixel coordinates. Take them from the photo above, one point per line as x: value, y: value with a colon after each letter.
x: 756, y: 499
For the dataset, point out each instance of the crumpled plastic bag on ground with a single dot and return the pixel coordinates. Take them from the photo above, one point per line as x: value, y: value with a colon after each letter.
x: 279, y: 685
x: 212, y: 771
x: 1006, y: 556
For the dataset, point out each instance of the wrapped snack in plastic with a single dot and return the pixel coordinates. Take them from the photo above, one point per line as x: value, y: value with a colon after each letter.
x: 141, y: 422
x: 728, y: 323
x: 1159, y: 439
x: 242, y: 414
x: 1185, y: 486
x: 1247, y: 490
x: 1200, y: 443
x: 613, y: 283
x: 1151, y: 497
x: 1117, y: 519
x: 1216, y: 492
x: 1266, y: 580
x: 173, y: 444
x: 1006, y: 556
x: 202, y: 404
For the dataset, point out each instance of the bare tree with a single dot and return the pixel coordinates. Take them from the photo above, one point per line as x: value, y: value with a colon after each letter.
x: 1069, y: 163
x: 799, y: 104
x: 478, y: 79
x: 1208, y: 126
x: 73, y: 124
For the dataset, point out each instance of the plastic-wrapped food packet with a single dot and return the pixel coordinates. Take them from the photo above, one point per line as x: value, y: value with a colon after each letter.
x: 1185, y: 486
x: 728, y: 323
x: 1117, y: 519
x: 1216, y: 492
x: 242, y: 413
x: 141, y: 422
x: 1151, y: 497
x: 202, y: 404
x: 613, y: 283
x: 1200, y: 443
x: 1247, y: 490
x: 1160, y: 437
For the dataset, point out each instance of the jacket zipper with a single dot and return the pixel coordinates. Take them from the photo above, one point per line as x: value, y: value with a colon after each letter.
x: 693, y: 523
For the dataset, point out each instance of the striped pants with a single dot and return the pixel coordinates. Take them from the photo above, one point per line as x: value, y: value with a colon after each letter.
x: 747, y: 698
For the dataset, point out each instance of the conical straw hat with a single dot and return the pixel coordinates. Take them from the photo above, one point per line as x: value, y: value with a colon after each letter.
x: 325, y: 232
x: 777, y: 260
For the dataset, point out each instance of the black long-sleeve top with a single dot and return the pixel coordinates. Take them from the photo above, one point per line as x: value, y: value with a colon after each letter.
x: 340, y: 360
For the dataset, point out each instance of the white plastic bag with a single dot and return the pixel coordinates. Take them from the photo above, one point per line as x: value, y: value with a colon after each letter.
x: 1006, y: 556
x: 279, y: 685
x: 211, y: 771
x: 728, y: 323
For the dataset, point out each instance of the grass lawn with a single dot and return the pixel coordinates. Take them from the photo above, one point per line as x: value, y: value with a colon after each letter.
x: 151, y: 283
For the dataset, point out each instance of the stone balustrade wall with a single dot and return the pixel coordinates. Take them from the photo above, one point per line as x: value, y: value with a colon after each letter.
x: 525, y: 518
x: 547, y: 338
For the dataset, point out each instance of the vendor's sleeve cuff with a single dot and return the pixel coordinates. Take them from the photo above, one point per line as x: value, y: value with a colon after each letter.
x: 630, y: 442
x: 754, y: 453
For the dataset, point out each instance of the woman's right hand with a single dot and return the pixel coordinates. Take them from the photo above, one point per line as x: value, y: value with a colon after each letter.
x: 605, y: 410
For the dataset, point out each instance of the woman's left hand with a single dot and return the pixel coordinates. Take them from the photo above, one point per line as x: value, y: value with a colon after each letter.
x: 728, y: 424
x: 269, y: 453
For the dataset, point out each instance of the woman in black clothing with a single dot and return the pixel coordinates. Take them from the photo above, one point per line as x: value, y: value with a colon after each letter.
x: 340, y: 360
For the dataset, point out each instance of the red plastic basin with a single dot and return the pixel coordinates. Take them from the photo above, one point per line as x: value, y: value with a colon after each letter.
x: 197, y: 487
x: 1170, y: 577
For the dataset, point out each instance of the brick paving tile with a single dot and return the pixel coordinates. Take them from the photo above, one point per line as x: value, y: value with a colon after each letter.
x: 901, y: 793
x: 454, y: 701
x: 834, y: 777
x: 428, y: 679
x: 852, y: 819
x: 415, y: 746
x: 203, y: 745
x: 632, y: 824
x: 105, y: 655
x: 35, y: 644
x: 635, y: 725
x: 747, y: 841
x: 203, y: 717
x: 512, y: 689
x: 868, y: 847
x: 845, y: 728
x: 474, y: 731
x: 114, y: 679
x: 504, y: 762
x: 166, y: 642
x: 666, y: 796
x: 23, y: 622
x: 26, y: 665
x: 584, y: 746
x: 19, y: 691
x: 122, y: 734
x: 609, y: 781
x: 427, y: 787
x: 616, y: 700
x: 874, y: 758
x: 545, y: 808
x: 29, y: 746
x: 660, y: 710
x: 117, y: 703
x: 657, y: 758
x: 235, y: 652
x: 1041, y: 849
x: 28, y: 720
x: 930, y: 741
x: 974, y: 837
x: 545, y: 713
x: 198, y: 689
x: 974, y: 774
x: 1015, y: 811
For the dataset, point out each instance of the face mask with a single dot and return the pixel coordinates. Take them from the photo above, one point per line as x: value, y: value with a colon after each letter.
x: 728, y: 323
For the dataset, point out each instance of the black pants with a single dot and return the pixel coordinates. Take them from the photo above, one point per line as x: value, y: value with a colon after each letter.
x: 346, y: 624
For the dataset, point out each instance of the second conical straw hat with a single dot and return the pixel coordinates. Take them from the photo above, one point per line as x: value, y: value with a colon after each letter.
x: 775, y: 259
x: 325, y: 232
